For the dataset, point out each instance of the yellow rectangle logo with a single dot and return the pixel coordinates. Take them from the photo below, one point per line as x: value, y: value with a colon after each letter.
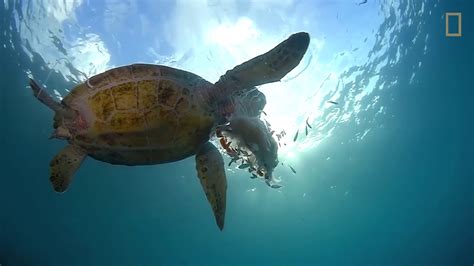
x: 459, y: 17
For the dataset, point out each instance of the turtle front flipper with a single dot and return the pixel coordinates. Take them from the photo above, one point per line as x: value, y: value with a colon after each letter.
x: 211, y: 173
x: 64, y: 165
x: 269, y: 67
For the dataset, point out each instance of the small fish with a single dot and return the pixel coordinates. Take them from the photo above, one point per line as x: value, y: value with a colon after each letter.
x: 243, y: 166
x: 296, y: 135
x: 264, y: 112
x: 333, y: 102
x: 272, y: 185
x: 292, y: 169
x: 361, y: 3
x: 233, y: 160
x: 306, y: 130
x: 307, y: 123
x: 253, y: 176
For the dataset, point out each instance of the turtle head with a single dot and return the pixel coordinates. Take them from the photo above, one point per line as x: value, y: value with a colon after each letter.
x: 67, y: 123
x: 62, y: 124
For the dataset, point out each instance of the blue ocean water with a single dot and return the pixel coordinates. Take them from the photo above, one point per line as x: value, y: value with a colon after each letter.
x: 388, y: 181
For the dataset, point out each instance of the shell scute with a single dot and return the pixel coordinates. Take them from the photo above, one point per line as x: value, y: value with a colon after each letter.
x: 147, y: 94
x: 162, y: 126
x: 143, y: 71
x: 127, y: 121
x: 120, y: 75
x: 125, y: 96
x: 182, y: 105
x: 102, y: 104
x: 162, y: 121
x: 99, y: 81
x: 152, y: 117
x: 168, y: 93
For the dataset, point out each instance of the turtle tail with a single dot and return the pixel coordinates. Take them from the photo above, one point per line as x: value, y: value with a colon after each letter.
x: 269, y: 67
x: 43, y: 97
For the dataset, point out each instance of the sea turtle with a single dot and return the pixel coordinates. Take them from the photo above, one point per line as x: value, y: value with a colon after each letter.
x: 144, y: 114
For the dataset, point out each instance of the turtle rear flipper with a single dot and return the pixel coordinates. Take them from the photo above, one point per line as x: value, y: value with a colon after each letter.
x: 211, y: 173
x: 64, y: 165
x: 43, y: 96
x: 269, y: 67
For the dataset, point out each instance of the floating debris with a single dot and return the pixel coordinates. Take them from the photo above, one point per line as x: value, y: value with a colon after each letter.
x: 333, y: 102
x: 296, y: 135
x: 292, y: 169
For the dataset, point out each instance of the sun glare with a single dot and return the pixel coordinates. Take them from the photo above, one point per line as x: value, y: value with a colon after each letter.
x: 230, y: 35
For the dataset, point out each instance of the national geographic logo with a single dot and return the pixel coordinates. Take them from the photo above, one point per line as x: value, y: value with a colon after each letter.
x: 456, y: 16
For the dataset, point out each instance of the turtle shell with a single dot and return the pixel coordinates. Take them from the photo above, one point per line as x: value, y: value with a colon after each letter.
x: 142, y: 114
